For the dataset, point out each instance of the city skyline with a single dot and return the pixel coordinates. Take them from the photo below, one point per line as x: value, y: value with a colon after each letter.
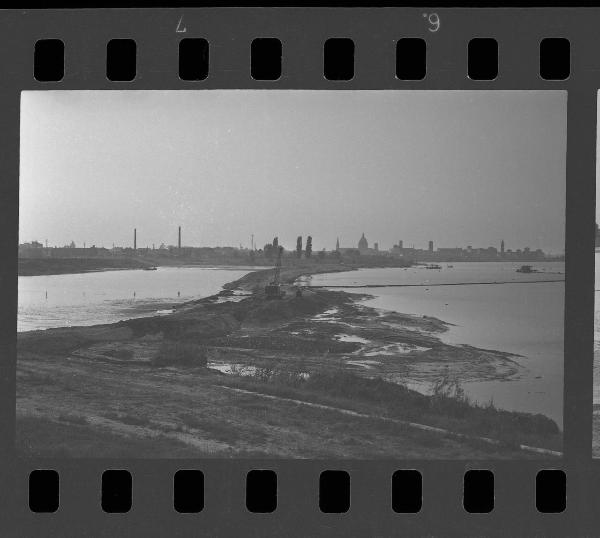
x: 462, y: 167
x: 430, y: 244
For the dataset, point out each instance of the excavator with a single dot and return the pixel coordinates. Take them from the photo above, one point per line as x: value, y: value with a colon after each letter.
x: 273, y: 289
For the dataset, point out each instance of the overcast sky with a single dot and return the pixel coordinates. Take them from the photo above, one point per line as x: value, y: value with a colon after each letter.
x: 459, y: 168
x: 598, y: 158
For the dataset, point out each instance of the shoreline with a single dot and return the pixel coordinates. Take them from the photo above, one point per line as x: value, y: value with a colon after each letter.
x: 266, y: 345
x: 61, y: 266
x: 254, y: 281
x: 434, y: 285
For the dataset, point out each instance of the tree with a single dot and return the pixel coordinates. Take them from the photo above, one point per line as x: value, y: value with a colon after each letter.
x: 321, y: 254
x: 299, y: 247
x: 308, y: 246
x: 268, y: 250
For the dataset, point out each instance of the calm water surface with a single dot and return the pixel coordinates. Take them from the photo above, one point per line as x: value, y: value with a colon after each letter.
x: 521, y: 317
x: 108, y: 296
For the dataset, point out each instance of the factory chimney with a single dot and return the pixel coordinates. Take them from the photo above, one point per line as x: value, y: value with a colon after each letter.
x: 179, y: 238
x: 135, y: 239
x: 430, y: 246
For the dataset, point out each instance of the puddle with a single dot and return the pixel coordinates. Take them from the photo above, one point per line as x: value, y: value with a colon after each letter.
x: 236, y: 297
x: 327, y: 315
x: 241, y: 369
x: 395, y: 349
x: 367, y: 363
x: 237, y: 369
x: 352, y: 338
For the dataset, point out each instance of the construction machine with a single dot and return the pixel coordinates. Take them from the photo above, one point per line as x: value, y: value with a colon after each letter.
x: 273, y: 289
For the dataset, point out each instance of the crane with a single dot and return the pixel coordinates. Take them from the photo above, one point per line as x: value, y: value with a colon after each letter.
x: 273, y: 289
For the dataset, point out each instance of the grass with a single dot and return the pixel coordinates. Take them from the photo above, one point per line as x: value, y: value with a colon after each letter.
x: 448, y: 407
x: 288, y: 343
x: 123, y: 353
x: 42, y: 437
x: 125, y: 418
x: 73, y: 419
x: 218, y: 429
x: 180, y: 353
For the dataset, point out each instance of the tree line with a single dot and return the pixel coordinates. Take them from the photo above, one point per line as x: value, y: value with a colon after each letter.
x: 270, y: 249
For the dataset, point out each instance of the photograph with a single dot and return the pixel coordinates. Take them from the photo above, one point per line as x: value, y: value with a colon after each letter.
x: 295, y: 274
x: 596, y: 404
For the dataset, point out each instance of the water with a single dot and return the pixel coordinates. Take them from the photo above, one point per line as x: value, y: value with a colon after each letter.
x: 108, y: 296
x: 522, y: 317
x: 460, y: 272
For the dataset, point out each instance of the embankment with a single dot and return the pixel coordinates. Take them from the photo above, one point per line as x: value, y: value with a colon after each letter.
x: 57, y: 266
x: 256, y: 280
x: 60, y: 266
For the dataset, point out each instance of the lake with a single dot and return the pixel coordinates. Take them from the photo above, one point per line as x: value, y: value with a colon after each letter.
x: 521, y: 317
x: 48, y: 301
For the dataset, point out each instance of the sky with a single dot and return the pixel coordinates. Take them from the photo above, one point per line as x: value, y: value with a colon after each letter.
x: 456, y: 167
x: 598, y: 158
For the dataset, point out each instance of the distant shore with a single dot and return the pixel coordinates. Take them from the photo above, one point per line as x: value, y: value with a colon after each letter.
x: 61, y: 266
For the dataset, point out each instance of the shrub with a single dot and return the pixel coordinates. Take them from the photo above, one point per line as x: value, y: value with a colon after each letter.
x: 123, y: 353
x: 127, y: 419
x: 73, y: 419
x: 180, y: 353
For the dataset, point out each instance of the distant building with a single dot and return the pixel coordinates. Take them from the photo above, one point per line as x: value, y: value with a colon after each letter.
x: 470, y: 253
x: 31, y: 250
x: 362, y: 250
x: 450, y: 253
x: 363, y: 244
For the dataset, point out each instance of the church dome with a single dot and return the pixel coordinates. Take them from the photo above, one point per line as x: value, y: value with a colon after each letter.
x: 363, y: 244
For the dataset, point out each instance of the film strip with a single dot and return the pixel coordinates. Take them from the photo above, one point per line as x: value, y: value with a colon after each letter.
x: 283, y: 404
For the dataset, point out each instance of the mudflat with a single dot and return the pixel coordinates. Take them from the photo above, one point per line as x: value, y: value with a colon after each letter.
x: 315, y: 374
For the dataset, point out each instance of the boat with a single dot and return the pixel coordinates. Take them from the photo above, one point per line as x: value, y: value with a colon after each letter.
x: 433, y: 266
x: 526, y: 269
x: 149, y: 268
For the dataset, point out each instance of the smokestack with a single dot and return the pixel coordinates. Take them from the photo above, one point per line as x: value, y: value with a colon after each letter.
x: 135, y: 239
x: 179, y: 238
